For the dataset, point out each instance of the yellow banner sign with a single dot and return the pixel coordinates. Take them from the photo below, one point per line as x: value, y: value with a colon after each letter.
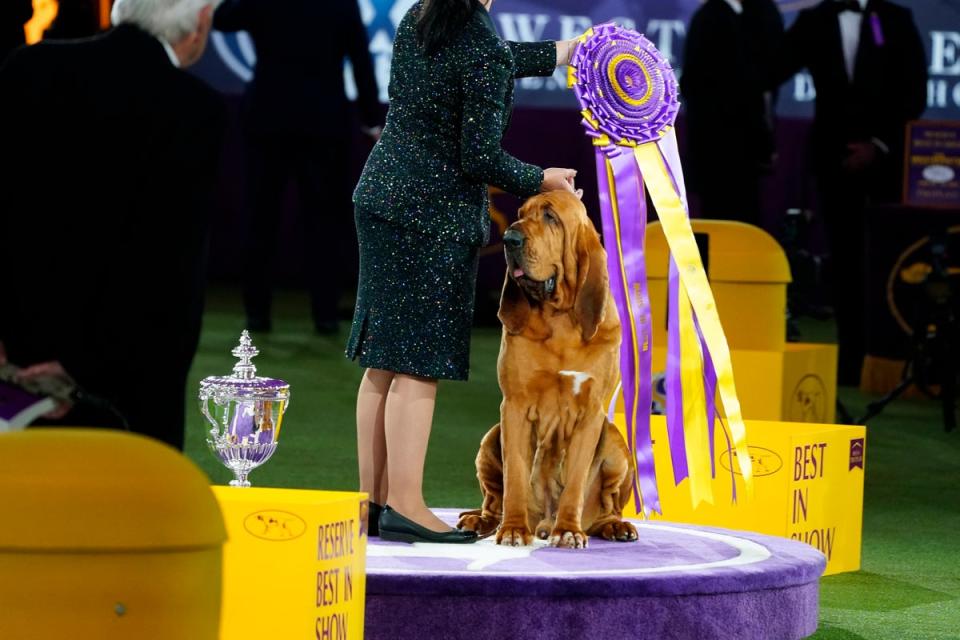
x: 808, y: 481
x: 294, y: 565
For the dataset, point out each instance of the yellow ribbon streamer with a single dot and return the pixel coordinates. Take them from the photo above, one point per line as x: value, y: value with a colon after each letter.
x: 693, y: 278
x: 695, y: 435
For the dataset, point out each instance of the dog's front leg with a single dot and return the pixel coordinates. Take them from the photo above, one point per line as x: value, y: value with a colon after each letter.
x: 517, y: 454
x: 568, y: 532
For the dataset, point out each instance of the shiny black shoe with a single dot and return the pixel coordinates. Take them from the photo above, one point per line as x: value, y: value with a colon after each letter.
x: 373, y: 518
x: 396, y: 528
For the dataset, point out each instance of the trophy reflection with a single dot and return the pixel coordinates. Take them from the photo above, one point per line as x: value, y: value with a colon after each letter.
x: 244, y: 412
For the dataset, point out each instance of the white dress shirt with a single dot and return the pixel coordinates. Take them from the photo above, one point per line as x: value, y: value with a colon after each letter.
x: 850, y: 22
x: 735, y: 5
x: 174, y: 60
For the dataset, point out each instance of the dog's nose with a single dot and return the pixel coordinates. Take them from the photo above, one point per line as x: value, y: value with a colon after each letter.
x: 513, y: 239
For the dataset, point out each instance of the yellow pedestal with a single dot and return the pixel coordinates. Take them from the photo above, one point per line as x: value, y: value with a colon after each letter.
x: 105, y: 535
x: 749, y: 273
x: 808, y: 486
x: 796, y: 384
x: 294, y: 565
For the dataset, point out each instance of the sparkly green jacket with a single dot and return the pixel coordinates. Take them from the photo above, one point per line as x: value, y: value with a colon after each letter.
x: 441, y: 146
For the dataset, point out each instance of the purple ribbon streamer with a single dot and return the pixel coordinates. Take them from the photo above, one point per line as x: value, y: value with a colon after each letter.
x: 633, y: 226
x: 710, y: 389
x: 733, y: 476
x: 671, y: 156
x: 619, y: 296
x: 628, y: 192
x: 674, y: 387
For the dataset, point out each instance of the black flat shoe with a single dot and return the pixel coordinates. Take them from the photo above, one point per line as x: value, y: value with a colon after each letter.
x: 373, y: 519
x: 396, y: 528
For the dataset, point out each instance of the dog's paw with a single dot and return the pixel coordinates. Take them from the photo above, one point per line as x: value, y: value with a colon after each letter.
x: 476, y: 522
x: 514, y: 535
x: 568, y: 539
x: 619, y: 531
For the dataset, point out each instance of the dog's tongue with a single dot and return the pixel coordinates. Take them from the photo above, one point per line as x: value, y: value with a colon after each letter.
x: 518, y: 273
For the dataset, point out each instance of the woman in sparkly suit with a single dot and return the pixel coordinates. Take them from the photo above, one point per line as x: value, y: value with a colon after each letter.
x: 421, y: 215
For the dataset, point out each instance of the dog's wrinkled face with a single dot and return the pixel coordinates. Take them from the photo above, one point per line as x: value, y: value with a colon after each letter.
x: 539, y: 246
x: 554, y: 260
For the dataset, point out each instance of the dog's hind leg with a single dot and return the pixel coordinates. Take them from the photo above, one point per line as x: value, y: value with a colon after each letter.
x: 612, y: 488
x: 490, y: 474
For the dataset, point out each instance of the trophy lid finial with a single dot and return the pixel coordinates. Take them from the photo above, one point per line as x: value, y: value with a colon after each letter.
x: 245, y: 352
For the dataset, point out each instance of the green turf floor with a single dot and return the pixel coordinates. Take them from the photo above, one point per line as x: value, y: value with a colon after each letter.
x: 908, y: 589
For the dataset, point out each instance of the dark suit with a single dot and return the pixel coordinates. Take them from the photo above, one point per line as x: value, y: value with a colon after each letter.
x: 13, y: 15
x: 887, y: 90
x: 729, y: 135
x: 104, y: 219
x: 299, y: 123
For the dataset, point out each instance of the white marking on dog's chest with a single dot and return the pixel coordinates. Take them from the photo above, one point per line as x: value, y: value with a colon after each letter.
x: 579, y: 377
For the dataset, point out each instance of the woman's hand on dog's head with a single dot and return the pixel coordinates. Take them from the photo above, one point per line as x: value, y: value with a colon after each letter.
x: 558, y: 180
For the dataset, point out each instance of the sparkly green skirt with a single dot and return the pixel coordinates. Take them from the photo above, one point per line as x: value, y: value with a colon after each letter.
x: 415, y: 301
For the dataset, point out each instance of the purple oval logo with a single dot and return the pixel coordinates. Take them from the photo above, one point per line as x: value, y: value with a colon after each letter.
x: 276, y: 526
x: 766, y: 462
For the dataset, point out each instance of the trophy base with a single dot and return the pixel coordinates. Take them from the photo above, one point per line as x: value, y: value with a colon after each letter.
x: 239, y: 483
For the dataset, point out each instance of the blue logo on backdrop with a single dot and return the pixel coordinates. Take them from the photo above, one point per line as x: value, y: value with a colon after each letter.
x: 383, y: 15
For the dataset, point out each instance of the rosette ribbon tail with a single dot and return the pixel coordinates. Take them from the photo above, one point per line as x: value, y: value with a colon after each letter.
x: 629, y: 97
x: 622, y: 190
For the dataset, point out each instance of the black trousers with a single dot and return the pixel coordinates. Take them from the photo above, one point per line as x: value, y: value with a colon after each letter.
x: 843, y: 199
x: 320, y: 168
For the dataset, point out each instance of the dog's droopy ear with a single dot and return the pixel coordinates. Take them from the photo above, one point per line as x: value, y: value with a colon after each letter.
x: 592, y: 282
x: 514, y: 307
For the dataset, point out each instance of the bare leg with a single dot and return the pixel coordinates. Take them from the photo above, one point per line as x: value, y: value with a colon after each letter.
x: 371, y: 441
x: 408, y: 418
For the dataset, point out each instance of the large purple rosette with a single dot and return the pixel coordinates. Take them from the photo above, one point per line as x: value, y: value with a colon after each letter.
x: 626, y: 85
x: 629, y: 96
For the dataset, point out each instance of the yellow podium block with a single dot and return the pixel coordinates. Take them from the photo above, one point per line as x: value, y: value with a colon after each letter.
x: 106, y: 535
x: 808, y: 484
x: 795, y: 384
x: 749, y: 273
x: 294, y: 565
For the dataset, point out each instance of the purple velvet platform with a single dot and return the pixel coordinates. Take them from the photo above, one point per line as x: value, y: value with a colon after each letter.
x: 676, y: 582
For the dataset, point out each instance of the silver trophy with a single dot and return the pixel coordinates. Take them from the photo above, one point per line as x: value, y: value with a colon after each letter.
x: 245, y: 413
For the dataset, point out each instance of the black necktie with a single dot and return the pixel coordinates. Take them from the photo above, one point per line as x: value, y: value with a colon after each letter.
x: 842, y: 6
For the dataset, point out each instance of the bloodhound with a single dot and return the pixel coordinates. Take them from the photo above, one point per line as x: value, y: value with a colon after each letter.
x: 555, y: 466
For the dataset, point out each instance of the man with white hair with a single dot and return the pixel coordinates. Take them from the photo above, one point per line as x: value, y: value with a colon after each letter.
x: 104, y: 211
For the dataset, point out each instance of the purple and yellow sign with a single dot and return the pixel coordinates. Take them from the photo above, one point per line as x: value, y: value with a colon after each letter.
x: 300, y: 556
x: 932, y: 167
x: 231, y: 57
x: 809, y: 486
